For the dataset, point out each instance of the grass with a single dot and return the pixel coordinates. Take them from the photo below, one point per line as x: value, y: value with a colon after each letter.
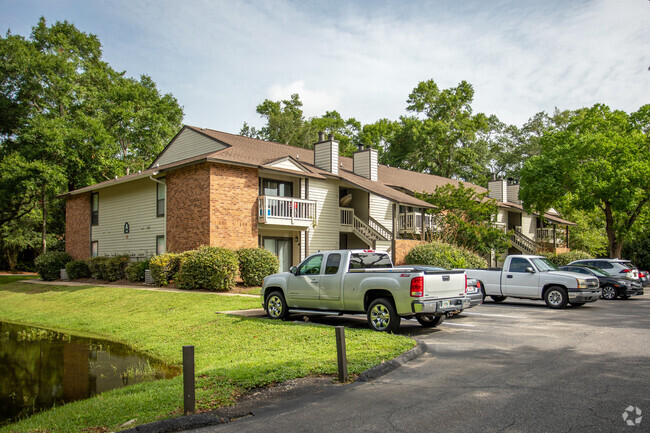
x: 232, y: 353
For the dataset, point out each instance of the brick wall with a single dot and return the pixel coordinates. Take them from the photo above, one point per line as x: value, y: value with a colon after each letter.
x: 188, y: 208
x: 77, y: 226
x: 402, y: 247
x: 233, y: 206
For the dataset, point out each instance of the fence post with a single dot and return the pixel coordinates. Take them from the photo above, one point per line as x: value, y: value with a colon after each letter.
x: 341, y: 354
x: 188, y: 380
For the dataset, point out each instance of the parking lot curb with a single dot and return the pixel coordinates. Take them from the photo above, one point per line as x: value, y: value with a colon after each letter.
x: 388, y: 366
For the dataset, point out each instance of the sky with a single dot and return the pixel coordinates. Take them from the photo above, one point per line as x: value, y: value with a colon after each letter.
x: 220, y: 59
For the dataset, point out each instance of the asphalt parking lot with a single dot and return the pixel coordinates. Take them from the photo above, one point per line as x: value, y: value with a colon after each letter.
x: 517, y: 366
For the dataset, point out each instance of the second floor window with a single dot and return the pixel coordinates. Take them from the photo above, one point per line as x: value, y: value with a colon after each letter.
x: 94, y: 208
x: 160, y: 202
x: 277, y: 188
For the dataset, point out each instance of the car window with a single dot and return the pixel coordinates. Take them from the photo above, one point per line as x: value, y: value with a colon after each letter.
x: 543, y: 264
x: 333, y: 263
x: 519, y: 264
x: 628, y: 265
x: 597, y: 272
x: 311, y: 266
x: 605, y: 265
x: 370, y: 260
x: 579, y: 270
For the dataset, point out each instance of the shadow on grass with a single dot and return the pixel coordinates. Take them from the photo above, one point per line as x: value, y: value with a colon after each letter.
x: 35, y: 289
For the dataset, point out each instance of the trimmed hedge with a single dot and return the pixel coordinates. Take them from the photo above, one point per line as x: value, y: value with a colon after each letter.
x: 444, y: 256
x: 48, y: 265
x: 210, y: 268
x: 135, y: 271
x: 563, y: 259
x: 255, y: 264
x: 77, y: 269
x: 97, y: 267
x: 164, y: 267
x: 115, y: 267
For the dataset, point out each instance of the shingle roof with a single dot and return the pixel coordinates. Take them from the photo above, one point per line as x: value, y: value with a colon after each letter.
x: 257, y: 153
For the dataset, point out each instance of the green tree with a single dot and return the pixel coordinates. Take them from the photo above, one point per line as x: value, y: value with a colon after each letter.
x: 378, y: 135
x: 464, y: 218
x: 599, y: 159
x: 345, y: 131
x: 444, y: 137
x: 67, y: 119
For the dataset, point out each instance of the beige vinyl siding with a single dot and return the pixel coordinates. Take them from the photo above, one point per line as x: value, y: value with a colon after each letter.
x: 326, y: 156
x: 135, y: 203
x: 188, y: 144
x: 325, y: 236
x: 529, y: 225
x: 382, y: 211
x: 287, y: 164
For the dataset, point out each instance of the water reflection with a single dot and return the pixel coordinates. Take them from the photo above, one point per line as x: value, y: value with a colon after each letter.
x: 40, y: 369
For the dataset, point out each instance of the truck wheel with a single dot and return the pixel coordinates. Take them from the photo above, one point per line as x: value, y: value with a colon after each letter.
x: 276, y: 306
x: 608, y: 292
x: 382, y: 316
x: 496, y: 298
x: 556, y: 297
x: 429, y: 321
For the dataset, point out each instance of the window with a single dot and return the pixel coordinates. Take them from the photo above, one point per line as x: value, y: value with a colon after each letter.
x: 370, y: 260
x: 333, y: 262
x: 277, y: 188
x: 161, y: 247
x: 519, y: 265
x: 311, y: 266
x: 94, y: 208
x: 160, y: 196
x: 94, y: 249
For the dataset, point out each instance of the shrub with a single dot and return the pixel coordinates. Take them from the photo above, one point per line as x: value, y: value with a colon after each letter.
x: 48, y: 265
x: 566, y: 258
x: 444, y: 256
x: 115, y: 266
x: 135, y: 271
x: 255, y: 264
x: 163, y: 268
x: 97, y: 267
x: 210, y: 268
x: 77, y: 269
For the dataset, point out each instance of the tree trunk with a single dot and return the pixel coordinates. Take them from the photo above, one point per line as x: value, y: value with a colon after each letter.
x: 44, y: 226
x: 615, y: 244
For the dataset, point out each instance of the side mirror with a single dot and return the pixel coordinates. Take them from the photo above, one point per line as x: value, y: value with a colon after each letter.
x: 293, y: 270
x: 530, y: 269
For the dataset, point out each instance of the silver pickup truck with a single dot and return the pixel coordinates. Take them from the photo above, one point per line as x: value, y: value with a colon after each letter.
x: 535, y: 277
x: 364, y: 281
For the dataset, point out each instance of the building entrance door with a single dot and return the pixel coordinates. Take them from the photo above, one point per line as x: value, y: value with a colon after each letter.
x: 281, y: 247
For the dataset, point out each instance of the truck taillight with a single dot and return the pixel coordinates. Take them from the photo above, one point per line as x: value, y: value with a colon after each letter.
x: 465, y: 283
x: 417, y: 287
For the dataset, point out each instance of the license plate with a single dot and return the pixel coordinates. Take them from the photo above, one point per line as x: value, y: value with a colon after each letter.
x: 445, y: 304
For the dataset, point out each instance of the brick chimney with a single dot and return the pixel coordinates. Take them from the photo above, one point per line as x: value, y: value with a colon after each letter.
x: 326, y: 153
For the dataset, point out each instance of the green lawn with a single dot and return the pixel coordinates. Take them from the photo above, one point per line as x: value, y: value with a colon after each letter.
x: 232, y: 353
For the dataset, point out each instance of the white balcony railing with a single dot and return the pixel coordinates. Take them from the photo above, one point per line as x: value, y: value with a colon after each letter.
x: 287, y: 210
x: 411, y: 222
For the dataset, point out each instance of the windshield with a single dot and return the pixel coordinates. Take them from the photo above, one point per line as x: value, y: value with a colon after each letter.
x: 597, y: 272
x: 543, y: 264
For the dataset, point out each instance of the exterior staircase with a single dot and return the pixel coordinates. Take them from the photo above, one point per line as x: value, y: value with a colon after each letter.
x: 369, y: 232
x: 524, y: 243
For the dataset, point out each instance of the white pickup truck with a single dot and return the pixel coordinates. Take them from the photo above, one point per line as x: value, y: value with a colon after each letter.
x: 364, y: 281
x: 535, y: 277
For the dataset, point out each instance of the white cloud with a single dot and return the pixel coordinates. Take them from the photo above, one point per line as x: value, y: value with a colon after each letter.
x: 315, y: 102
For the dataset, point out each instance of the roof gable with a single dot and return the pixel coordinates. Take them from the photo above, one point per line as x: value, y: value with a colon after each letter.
x: 189, y: 142
x: 286, y: 163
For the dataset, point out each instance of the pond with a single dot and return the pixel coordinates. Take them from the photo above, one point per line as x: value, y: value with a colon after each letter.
x: 40, y: 369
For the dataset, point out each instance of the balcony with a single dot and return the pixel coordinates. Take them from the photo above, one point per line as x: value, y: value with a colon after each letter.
x: 286, y: 211
x: 411, y: 223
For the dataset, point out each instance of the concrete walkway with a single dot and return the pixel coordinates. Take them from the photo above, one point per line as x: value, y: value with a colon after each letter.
x: 136, y: 287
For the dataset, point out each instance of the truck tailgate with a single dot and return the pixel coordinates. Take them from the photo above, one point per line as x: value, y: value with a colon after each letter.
x: 444, y: 284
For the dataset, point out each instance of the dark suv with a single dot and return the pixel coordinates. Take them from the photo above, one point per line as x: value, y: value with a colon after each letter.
x: 611, y: 287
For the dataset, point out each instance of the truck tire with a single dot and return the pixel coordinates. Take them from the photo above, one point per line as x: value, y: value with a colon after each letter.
x: 430, y: 321
x: 556, y: 297
x: 496, y: 298
x: 382, y: 316
x: 608, y: 292
x: 276, y: 306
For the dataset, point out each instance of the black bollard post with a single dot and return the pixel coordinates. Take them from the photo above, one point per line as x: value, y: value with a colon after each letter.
x: 342, y: 356
x: 188, y: 380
